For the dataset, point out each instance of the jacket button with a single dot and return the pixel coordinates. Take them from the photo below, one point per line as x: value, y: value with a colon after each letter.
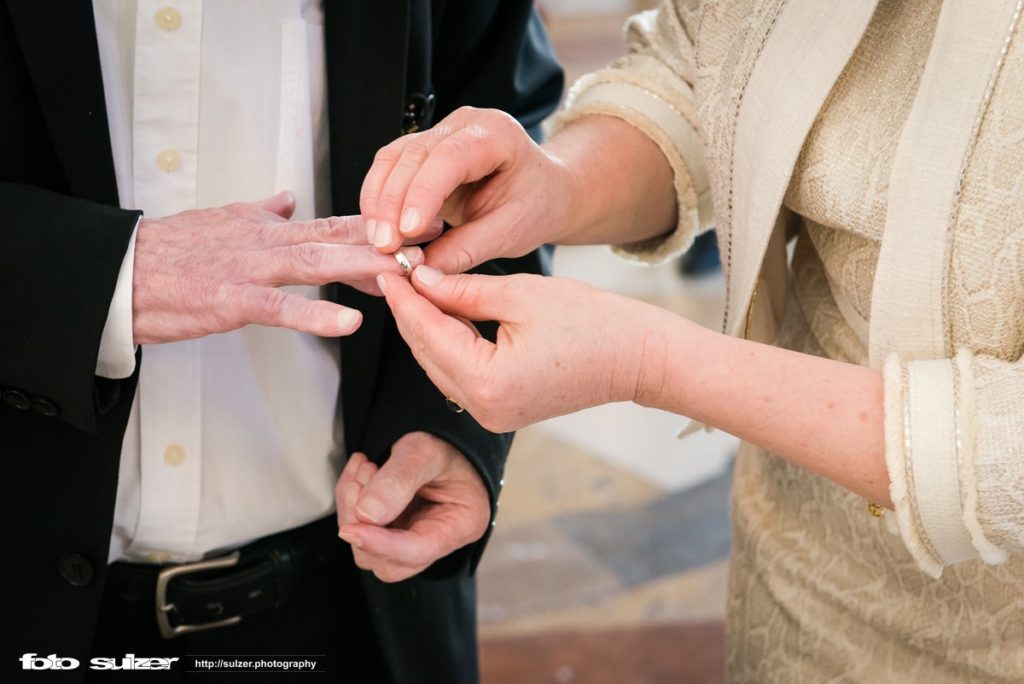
x: 418, y: 109
x: 75, y: 569
x: 45, y: 407
x: 16, y: 399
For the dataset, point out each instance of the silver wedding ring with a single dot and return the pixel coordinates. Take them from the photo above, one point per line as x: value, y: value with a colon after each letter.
x: 403, y: 261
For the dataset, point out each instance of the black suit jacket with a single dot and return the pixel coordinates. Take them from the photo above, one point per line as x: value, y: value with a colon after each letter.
x: 392, y: 66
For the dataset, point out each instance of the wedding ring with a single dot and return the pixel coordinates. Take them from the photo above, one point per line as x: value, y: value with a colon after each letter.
x: 453, y: 405
x: 403, y: 261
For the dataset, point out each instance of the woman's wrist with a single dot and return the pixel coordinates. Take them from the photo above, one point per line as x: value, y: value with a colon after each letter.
x: 617, y: 185
x: 643, y: 352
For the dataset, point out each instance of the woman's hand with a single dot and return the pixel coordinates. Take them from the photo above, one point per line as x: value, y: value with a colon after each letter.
x: 479, y: 170
x: 561, y: 346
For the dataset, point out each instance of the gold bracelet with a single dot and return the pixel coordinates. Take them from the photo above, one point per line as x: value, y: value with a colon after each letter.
x: 875, y: 510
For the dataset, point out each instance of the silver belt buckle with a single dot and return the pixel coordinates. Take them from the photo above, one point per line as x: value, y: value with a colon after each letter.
x: 163, y: 608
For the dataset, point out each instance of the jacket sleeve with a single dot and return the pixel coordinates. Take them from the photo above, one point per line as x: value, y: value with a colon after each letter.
x: 651, y: 88
x: 954, y: 442
x: 60, y: 258
x: 509, y: 66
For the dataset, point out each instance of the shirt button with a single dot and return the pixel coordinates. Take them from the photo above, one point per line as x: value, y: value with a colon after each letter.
x: 174, y: 455
x: 168, y: 19
x: 158, y: 557
x: 169, y: 159
x: 75, y: 569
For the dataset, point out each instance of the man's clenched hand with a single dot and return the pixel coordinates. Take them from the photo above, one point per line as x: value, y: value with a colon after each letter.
x: 425, y: 502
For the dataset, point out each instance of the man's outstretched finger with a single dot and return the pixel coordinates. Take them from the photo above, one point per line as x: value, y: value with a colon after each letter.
x: 318, y: 264
x: 338, y: 230
x: 273, y: 307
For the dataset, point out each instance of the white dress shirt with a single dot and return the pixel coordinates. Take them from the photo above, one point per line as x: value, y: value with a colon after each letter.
x: 232, y: 437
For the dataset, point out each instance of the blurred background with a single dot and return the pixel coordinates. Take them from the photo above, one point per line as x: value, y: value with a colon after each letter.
x: 609, y: 559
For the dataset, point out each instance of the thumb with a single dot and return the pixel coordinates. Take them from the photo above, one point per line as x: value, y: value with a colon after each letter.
x: 392, y: 488
x: 476, y: 297
x: 282, y: 204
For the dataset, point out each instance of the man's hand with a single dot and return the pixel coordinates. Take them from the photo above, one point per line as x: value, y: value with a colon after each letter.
x: 425, y: 502
x: 213, y: 270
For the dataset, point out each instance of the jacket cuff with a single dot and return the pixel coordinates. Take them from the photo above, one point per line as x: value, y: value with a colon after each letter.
x: 670, y: 124
x: 116, y: 359
x: 929, y: 451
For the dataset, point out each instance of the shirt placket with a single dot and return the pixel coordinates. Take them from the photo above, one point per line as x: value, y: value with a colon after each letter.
x: 165, y: 136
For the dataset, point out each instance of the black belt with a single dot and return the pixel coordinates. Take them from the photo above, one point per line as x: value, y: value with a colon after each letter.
x: 221, y: 591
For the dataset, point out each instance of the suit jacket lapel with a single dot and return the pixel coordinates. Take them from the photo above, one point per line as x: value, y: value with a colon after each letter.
x: 58, y: 41
x: 366, y: 46
x: 810, y: 43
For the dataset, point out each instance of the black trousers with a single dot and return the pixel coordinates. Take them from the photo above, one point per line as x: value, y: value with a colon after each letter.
x: 325, y: 615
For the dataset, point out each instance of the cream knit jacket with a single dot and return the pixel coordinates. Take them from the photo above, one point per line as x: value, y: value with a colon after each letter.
x: 729, y: 90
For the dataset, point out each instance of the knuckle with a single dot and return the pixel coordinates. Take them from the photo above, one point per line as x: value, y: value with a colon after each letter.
x: 321, y: 228
x: 362, y: 561
x: 457, y: 146
x: 465, y: 111
x: 271, y: 302
x: 415, y: 153
x: 392, y: 485
x: 388, y: 574
x: 389, y: 201
x: 421, y: 187
x: 308, y: 258
x: 388, y: 154
x: 462, y: 291
x: 421, y: 558
x: 463, y: 259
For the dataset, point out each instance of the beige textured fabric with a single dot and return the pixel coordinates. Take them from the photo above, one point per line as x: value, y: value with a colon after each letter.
x: 820, y: 591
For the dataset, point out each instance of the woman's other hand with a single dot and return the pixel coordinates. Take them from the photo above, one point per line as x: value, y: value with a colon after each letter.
x: 479, y: 171
x: 561, y: 345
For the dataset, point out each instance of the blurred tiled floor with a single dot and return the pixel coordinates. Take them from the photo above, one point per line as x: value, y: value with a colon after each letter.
x: 609, y: 560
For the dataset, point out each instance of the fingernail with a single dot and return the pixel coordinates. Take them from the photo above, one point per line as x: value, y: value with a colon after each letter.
x: 384, y: 234
x: 382, y: 283
x: 413, y: 254
x: 371, y: 230
x: 428, y: 276
x: 348, y: 318
x: 410, y: 219
x: 371, y: 509
x: 288, y: 196
x: 351, y: 539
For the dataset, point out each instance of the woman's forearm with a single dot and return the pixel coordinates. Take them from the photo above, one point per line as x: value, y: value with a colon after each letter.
x: 621, y: 183
x: 824, y: 415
